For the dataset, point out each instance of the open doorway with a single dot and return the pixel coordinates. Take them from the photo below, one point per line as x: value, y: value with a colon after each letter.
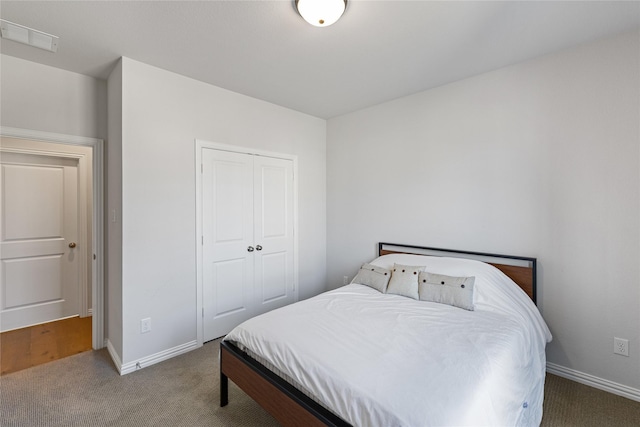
x: 51, y: 303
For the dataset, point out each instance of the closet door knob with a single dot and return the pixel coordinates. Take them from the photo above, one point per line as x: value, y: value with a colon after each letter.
x: 258, y: 248
x: 250, y: 249
x: 72, y: 245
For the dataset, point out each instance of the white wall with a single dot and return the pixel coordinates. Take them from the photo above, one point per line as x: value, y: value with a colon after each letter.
x: 113, y: 209
x: 43, y: 98
x: 537, y: 159
x: 162, y: 114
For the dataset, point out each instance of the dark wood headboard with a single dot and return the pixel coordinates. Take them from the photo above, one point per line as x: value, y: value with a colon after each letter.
x: 521, y: 270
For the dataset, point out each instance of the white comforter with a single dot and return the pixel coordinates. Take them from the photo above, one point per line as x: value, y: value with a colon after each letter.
x: 385, y: 360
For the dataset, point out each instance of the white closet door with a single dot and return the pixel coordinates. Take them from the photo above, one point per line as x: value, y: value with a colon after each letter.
x: 248, y: 238
x: 273, y: 232
x: 227, y: 225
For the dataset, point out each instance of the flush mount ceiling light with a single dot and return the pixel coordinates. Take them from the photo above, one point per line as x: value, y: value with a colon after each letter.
x: 321, y: 13
x: 21, y: 34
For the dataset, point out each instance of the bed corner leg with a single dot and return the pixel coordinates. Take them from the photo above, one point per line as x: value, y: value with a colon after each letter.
x: 224, y: 390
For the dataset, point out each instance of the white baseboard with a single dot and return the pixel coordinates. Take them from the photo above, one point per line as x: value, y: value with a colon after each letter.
x: 114, y: 355
x: 595, y: 382
x: 127, y: 368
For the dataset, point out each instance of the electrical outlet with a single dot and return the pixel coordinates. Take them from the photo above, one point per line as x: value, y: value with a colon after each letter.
x: 145, y: 325
x: 621, y: 346
x: 345, y: 280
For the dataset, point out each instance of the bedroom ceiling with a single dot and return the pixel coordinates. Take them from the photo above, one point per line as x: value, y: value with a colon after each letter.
x: 378, y: 51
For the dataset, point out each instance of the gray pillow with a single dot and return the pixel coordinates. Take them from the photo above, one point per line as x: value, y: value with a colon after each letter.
x: 404, y: 280
x: 375, y: 277
x: 455, y: 291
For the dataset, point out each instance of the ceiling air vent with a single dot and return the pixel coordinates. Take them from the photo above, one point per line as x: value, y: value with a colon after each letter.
x: 26, y: 35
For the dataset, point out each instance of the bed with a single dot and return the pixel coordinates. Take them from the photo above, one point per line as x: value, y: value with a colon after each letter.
x: 359, y: 356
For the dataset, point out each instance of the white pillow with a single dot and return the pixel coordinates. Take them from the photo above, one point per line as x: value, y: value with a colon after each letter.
x: 455, y: 291
x: 372, y: 276
x: 404, y: 280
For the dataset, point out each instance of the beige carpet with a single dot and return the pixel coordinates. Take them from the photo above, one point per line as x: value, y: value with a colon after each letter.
x: 569, y: 404
x: 86, y: 390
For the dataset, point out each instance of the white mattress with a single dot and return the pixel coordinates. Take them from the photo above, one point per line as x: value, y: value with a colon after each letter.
x: 385, y: 360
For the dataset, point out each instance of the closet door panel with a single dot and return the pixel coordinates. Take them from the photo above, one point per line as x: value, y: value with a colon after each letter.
x: 229, y: 298
x: 273, y: 269
x: 273, y: 228
x: 227, y: 209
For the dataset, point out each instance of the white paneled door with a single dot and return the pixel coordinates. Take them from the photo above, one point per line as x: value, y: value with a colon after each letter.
x: 40, y: 263
x: 247, y: 237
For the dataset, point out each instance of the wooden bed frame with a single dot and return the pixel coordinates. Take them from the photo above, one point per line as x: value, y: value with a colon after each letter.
x: 290, y: 406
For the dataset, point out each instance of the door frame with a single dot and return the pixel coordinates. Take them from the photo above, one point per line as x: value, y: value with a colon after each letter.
x: 97, y: 271
x: 199, y: 146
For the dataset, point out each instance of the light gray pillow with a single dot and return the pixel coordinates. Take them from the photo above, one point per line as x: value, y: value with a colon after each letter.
x: 455, y: 291
x: 404, y: 280
x: 375, y: 277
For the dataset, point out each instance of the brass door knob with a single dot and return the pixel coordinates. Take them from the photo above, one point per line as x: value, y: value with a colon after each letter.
x: 72, y: 245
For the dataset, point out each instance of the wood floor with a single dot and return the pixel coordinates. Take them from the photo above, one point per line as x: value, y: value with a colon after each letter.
x: 27, y: 347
